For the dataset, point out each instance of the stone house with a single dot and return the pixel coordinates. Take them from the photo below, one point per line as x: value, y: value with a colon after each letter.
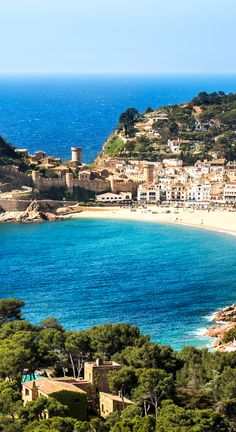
x: 110, y: 403
x: 97, y: 373
x: 65, y: 392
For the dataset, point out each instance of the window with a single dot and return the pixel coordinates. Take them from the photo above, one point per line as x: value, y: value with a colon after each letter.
x: 103, y: 409
x: 27, y: 392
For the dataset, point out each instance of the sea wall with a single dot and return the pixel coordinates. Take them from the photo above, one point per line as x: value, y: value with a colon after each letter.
x: 97, y: 186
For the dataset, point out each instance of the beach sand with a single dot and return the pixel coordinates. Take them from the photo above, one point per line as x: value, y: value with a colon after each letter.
x: 216, y: 220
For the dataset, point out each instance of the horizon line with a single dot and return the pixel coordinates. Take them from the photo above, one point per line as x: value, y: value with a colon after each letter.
x: 6, y: 74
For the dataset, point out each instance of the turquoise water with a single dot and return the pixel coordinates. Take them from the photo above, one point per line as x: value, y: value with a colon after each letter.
x: 165, y: 279
x: 54, y: 113
x: 27, y: 378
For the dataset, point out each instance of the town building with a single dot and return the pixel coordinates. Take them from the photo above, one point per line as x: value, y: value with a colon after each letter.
x: 229, y: 192
x: 176, y: 192
x: 148, y: 193
x: 110, y: 197
x: 97, y: 373
x: 59, y: 390
x: 110, y: 403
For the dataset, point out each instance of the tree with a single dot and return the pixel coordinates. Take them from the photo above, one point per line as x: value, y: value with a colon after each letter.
x: 150, y: 355
x: 13, y: 327
x: 51, y: 341
x: 10, y: 310
x: 17, y: 352
x: 127, y: 119
x: 51, y: 322
x: 173, y: 418
x: 154, y: 385
x: 55, y: 424
x: 229, y: 336
x: 10, y: 398
x: 35, y: 410
x: 110, y: 339
x: 78, y: 346
x: 122, y: 381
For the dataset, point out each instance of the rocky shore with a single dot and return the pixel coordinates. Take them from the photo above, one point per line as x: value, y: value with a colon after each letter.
x: 226, y: 321
x: 34, y: 213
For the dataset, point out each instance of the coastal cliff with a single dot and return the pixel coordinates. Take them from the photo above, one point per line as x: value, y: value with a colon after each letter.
x: 225, y: 330
x: 200, y: 129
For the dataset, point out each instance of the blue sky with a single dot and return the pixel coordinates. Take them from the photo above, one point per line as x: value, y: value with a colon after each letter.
x: 117, y: 36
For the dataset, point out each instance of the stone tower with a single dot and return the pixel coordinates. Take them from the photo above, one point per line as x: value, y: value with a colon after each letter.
x: 76, y: 154
x: 69, y: 182
x: 148, y: 172
x: 36, y: 178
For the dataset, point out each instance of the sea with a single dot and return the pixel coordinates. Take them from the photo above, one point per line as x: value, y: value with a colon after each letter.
x: 167, y: 280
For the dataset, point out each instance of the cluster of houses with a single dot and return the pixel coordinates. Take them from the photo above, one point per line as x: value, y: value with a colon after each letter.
x: 83, y: 395
x: 169, y: 181
x: 123, y: 180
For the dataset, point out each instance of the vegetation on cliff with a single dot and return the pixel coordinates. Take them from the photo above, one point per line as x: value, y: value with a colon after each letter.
x: 8, y: 155
x: 207, y: 124
x: 191, y: 391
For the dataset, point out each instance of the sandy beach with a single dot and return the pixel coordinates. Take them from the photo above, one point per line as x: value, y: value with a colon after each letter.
x: 216, y: 220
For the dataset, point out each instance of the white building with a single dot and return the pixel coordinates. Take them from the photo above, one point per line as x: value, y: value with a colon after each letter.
x: 177, y: 145
x: 148, y: 193
x: 229, y: 192
x: 173, y: 162
x: 111, y: 197
x: 199, y: 193
x: 176, y: 192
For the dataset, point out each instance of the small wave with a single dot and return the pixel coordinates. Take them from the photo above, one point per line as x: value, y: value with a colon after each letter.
x: 200, y: 332
x: 210, y: 317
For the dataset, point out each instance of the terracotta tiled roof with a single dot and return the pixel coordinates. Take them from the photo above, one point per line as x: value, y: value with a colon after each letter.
x: 48, y: 386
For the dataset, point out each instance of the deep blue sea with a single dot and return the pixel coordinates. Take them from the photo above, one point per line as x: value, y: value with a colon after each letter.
x: 167, y: 280
x: 57, y: 112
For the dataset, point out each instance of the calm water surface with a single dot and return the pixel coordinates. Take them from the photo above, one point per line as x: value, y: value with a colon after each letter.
x: 167, y: 280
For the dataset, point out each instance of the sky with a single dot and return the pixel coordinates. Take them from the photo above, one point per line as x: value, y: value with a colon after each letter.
x: 117, y: 36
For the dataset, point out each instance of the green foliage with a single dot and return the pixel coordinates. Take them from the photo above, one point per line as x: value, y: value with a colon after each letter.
x: 17, y: 352
x: 229, y: 336
x: 154, y: 385
x: 200, y: 384
x: 216, y: 116
x: 13, y: 327
x: 10, y: 398
x: 149, y: 355
x: 51, y: 322
x: 137, y: 424
x: 109, y: 339
x: 123, y: 381
x: 114, y: 147
x: 127, y: 120
x: 10, y: 310
x: 173, y: 418
x: 7, y: 150
x: 50, y: 340
x: 75, y: 402
x: 55, y: 424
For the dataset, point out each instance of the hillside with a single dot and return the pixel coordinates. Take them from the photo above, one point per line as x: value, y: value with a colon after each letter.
x: 200, y: 129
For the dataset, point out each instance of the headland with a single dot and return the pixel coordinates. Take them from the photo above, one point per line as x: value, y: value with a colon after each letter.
x: 180, y: 158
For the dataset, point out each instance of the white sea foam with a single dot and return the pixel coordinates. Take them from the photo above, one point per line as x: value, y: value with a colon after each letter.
x: 200, y: 332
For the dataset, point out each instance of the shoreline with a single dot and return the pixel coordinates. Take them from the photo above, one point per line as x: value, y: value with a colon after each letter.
x: 215, y: 221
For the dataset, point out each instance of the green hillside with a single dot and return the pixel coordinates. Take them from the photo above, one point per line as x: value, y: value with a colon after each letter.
x: 207, y: 124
